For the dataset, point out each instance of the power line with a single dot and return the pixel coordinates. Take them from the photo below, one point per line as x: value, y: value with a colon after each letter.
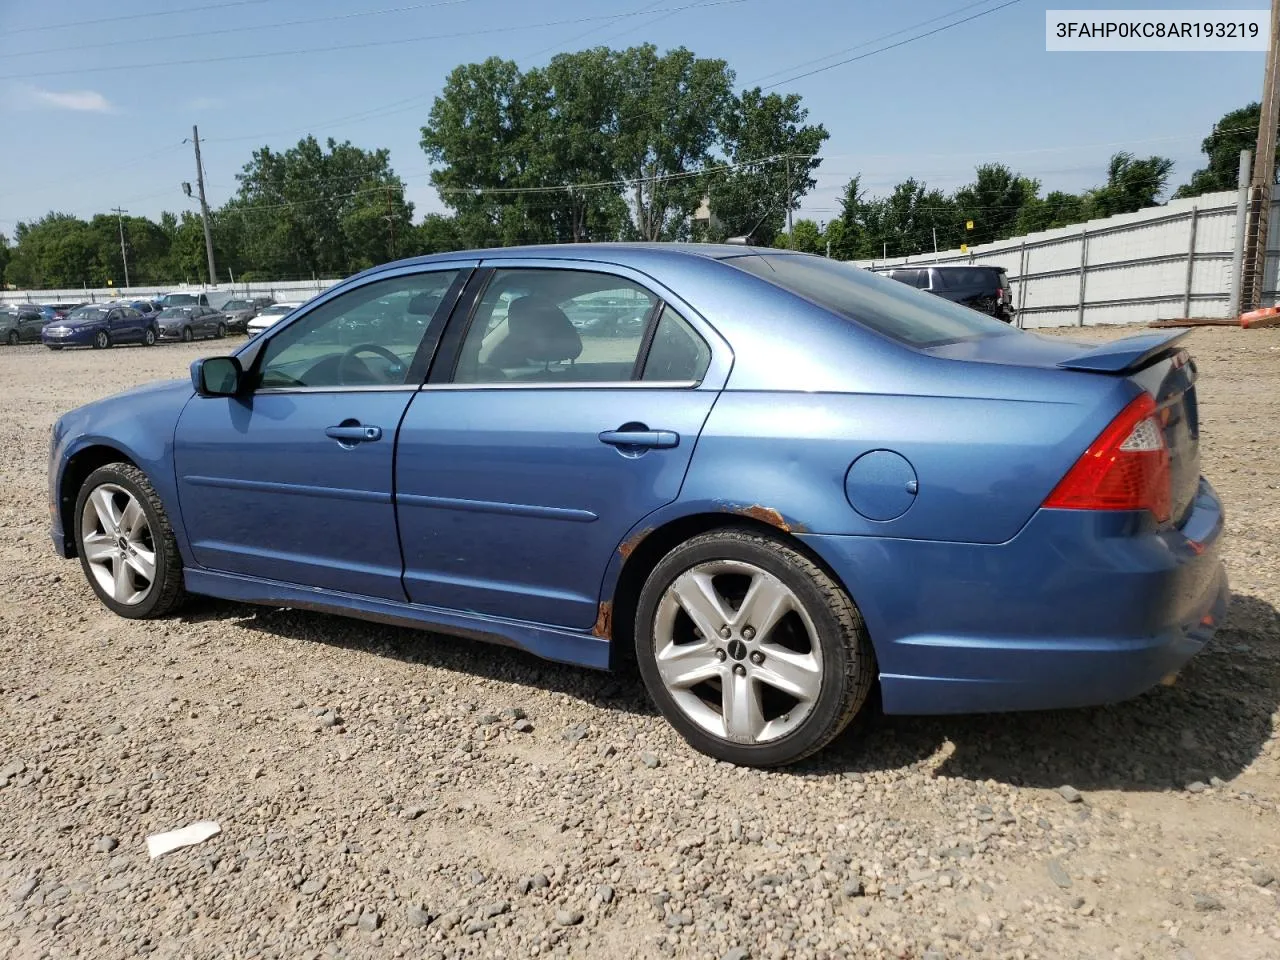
x: 133, y: 42
x: 137, y: 16
x: 892, y: 46
x: 360, y: 45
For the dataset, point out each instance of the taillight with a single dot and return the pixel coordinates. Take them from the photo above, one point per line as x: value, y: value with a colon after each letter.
x: 1126, y: 468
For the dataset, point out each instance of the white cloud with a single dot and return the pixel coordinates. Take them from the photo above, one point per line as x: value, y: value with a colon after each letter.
x: 84, y: 101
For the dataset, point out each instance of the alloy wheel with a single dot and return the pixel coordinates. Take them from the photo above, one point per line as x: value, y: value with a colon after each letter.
x: 737, y: 651
x: 118, y: 544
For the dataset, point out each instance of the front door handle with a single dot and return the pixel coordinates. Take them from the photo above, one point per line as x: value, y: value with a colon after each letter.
x: 660, y: 439
x: 353, y: 433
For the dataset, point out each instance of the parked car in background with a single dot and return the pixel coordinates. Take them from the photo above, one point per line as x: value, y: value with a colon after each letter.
x: 983, y: 288
x: 56, y: 311
x: 190, y: 323
x: 148, y: 308
x: 20, y: 323
x: 793, y: 481
x: 183, y: 300
x: 100, y: 325
x: 269, y: 316
x: 239, y: 313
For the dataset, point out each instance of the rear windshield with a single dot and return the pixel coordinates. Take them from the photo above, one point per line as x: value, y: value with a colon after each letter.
x: 886, y: 306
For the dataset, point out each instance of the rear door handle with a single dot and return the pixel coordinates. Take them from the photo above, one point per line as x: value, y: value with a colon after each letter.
x: 353, y: 433
x: 640, y: 438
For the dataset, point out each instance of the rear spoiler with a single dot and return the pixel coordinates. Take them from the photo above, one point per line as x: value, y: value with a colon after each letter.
x: 1123, y: 356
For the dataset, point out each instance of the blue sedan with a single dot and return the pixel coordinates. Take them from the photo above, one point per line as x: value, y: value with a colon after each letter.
x: 789, y: 481
x: 99, y: 325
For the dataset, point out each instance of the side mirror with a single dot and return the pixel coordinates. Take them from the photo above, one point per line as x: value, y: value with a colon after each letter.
x: 217, y: 376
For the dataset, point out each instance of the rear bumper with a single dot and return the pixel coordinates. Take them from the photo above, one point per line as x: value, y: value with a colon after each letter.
x: 1078, y: 609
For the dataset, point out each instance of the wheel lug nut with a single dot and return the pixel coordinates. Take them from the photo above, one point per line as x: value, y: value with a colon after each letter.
x: 748, y: 633
x: 725, y: 633
x: 757, y: 658
x: 720, y: 655
x: 740, y: 670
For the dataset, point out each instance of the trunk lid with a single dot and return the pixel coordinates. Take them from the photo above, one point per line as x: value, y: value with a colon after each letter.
x: 1154, y: 362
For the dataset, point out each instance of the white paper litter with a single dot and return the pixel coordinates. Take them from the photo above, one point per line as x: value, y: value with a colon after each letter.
x: 159, y: 844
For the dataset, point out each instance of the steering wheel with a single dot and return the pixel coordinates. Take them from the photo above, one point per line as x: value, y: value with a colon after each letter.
x: 397, y: 368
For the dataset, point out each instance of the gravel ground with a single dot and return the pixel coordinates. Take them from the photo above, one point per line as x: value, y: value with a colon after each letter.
x: 384, y: 793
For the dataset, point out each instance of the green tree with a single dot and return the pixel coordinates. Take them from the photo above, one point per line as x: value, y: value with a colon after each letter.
x: 670, y: 112
x: 1057, y: 209
x: 773, y: 150
x: 1236, y: 131
x: 314, y: 210
x: 4, y: 258
x: 902, y: 224
x: 806, y: 237
x: 58, y: 250
x: 1132, y: 185
x: 992, y: 201
x: 849, y: 240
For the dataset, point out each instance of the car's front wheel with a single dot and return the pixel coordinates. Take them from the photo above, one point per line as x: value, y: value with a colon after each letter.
x: 126, y: 544
x: 750, y: 650
x: 221, y: 331
x: 12, y: 338
x: 187, y: 335
x: 149, y: 337
x: 101, y: 340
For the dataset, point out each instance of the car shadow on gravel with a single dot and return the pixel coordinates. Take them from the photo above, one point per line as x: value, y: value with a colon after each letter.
x: 620, y: 692
x: 1213, y: 722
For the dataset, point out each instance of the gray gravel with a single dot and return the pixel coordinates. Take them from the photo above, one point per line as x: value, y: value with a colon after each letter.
x: 420, y: 822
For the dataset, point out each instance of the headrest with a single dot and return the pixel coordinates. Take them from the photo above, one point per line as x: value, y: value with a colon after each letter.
x: 537, y: 332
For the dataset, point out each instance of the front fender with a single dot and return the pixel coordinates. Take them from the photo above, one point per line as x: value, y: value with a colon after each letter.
x: 140, y: 426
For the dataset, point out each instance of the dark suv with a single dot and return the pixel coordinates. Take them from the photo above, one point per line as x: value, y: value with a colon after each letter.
x: 982, y: 288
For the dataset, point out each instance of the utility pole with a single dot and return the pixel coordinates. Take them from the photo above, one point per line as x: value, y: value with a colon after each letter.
x: 123, y: 256
x: 204, y: 206
x: 935, y: 241
x: 391, y: 223
x: 789, y: 190
x: 1264, y: 174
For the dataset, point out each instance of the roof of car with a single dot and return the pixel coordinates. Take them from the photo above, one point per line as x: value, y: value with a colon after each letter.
x: 620, y: 253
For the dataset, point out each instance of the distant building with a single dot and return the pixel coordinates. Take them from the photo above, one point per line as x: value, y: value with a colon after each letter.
x: 704, y: 221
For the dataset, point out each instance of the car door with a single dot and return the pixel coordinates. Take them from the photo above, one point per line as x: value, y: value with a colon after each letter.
x: 292, y: 480
x: 547, y: 431
x: 30, y: 324
x: 125, y: 325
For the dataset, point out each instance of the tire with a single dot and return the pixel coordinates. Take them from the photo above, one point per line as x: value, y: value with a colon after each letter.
x: 187, y: 335
x: 12, y: 339
x: 101, y: 340
x: 165, y: 592
x: 149, y: 337
x: 221, y: 331
x: 823, y: 631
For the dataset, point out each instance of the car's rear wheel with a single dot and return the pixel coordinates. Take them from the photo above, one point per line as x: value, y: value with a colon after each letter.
x: 187, y: 335
x: 101, y: 340
x: 222, y: 331
x: 149, y: 337
x: 750, y: 650
x: 126, y: 545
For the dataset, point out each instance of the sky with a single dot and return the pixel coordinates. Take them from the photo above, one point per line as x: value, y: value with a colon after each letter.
x: 96, y: 100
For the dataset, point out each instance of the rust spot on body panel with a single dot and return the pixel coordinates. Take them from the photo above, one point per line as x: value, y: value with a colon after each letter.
x: 629, y: 545
x: 770, y: 516
x: 604, y: 621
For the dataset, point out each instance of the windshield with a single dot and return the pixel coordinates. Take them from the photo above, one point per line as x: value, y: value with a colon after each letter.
x: 886, y: 306
x: 175, y: 312
x: 88, y: 313
x: 178, y: 299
